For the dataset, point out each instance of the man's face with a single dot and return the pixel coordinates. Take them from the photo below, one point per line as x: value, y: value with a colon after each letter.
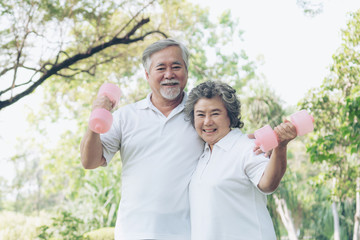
x: 167, y: 74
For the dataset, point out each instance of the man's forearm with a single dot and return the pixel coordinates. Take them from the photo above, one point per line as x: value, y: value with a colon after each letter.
x: 91, y: 150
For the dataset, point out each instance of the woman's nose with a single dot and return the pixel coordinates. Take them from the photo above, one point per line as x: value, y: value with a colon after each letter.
x: 207, y: 120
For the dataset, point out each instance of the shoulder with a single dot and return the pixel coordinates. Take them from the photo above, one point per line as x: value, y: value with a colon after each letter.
x: 236, y: 142
x: 135, y: 105
x: 128, y: 110
x: 242, y: 139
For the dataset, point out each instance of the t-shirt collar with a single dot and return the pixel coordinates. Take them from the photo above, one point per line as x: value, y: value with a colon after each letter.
x: 146, y: 103
x: 229, y: 140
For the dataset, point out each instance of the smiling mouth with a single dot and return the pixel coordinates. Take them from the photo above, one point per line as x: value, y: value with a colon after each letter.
x: 209, y: 130
x: 170, y: 83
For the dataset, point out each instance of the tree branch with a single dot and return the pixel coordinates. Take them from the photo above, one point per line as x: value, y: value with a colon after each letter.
x: 80, y: 56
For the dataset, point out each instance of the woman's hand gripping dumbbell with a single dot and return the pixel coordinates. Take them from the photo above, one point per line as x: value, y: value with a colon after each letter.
x: 267, y: 139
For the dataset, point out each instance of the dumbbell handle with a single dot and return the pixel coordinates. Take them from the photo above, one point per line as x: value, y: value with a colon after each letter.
x: 111, y: 91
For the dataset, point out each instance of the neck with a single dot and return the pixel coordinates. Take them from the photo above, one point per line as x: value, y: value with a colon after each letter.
x: 165, y: 106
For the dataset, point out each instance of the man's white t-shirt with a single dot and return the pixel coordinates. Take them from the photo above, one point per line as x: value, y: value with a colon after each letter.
x: 225, y: 202
x: 159, y: 155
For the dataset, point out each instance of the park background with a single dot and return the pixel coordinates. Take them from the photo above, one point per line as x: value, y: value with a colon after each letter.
x: 281, y: 56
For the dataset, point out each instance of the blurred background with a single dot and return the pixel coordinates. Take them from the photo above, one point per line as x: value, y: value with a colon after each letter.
x: 281, y: 56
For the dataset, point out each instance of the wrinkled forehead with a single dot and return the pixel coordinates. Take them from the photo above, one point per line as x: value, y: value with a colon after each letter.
x: 211, y: 103
x: 164, y: 63
x: 168, y: 55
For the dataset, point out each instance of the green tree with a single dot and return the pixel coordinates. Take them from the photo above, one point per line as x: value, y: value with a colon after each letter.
x: 25, y: 186
x: 311, y: 7
x: 43, y: 39
x: 336, y: 138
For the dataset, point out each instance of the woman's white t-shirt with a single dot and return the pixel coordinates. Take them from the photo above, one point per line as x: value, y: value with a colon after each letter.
x: 225, y: 203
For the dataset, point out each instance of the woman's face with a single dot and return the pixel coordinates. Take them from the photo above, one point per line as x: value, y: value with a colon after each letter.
x: 211, y: 120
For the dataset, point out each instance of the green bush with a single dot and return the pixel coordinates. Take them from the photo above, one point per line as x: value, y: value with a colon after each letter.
x: 64, y: 227
x: 15, y: 226
x: 101, y: 234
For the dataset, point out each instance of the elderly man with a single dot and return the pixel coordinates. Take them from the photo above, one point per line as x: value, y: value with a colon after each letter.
x: 159, y: 150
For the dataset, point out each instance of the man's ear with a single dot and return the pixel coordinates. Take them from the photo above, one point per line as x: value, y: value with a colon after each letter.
x: 147, y: 75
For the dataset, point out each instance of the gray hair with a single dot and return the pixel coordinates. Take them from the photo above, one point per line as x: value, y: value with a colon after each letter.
x: 211, y: 89
x: 160, y: 45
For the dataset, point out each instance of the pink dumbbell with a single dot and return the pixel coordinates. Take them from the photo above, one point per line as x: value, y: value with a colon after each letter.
x: 101, y: 119
x: 266, y: 138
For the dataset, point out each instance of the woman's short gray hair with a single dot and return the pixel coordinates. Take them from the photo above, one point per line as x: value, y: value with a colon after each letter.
x: 160, y: 45
x: 211, y: 89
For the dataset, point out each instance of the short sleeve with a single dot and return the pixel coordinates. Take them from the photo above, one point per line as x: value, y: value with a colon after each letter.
x: 255, y: 166
x: 111, y: 140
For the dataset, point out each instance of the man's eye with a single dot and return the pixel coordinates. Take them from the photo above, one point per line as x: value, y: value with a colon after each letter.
x: 160, y: 69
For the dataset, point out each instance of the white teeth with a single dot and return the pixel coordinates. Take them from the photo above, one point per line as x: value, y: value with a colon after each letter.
x: 170, y: 82
x: 208, y: 131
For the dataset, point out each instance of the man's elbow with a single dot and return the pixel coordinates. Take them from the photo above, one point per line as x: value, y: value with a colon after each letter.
x: 89, y: 164
x: 86, y: 165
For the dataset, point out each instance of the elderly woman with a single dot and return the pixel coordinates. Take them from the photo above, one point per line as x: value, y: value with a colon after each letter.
x: 229, y: 186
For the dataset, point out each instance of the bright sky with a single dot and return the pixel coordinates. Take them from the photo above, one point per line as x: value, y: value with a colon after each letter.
x: 297, y: 49
x: 297, y: 52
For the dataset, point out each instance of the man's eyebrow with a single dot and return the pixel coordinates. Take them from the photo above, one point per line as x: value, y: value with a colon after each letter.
x: 160, y: 65
x: 163, y: 64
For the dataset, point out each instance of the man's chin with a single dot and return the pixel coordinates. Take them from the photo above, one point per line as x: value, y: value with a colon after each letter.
x: 171, y: 95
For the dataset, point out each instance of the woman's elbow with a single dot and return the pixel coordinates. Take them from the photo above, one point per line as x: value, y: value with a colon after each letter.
x: 268, y: 188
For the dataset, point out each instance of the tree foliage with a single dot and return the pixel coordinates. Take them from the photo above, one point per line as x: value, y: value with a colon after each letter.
x: 43, y: 39
x: 335, y: 106
x: 311, y: 7
x: 337, y: 115
x: 65, y: 227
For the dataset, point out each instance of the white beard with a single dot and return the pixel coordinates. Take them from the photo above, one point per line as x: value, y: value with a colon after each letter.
x: 170, y: 93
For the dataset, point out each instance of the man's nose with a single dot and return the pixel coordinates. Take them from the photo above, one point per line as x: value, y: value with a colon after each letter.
x: 169, y: 74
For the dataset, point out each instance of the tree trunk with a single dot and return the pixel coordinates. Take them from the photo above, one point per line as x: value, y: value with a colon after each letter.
x: 336, y: 221
x: 335, y: 216
x: 356, y: 235
x: 285, y: 216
